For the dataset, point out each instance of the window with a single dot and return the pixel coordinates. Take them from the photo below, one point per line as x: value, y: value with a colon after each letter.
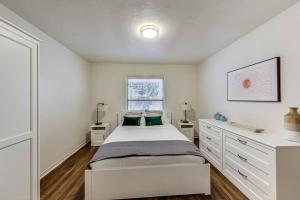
x: 145, y: 93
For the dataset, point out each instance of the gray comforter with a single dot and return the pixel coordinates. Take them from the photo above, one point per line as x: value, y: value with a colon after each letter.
x: 145, y: 148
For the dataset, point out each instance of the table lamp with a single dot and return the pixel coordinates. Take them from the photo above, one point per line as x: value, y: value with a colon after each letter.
x: 185, y: 107
x: 103, y: 108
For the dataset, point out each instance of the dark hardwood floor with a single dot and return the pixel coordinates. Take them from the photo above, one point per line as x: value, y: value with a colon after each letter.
x: 66, y: 182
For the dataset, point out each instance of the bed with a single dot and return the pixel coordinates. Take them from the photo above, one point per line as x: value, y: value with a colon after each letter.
x: 146, y: 176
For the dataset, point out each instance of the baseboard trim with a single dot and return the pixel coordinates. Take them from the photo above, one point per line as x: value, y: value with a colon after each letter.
x: 56, y: 164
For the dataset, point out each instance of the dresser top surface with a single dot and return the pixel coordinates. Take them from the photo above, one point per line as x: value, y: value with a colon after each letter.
x: 272, y: 140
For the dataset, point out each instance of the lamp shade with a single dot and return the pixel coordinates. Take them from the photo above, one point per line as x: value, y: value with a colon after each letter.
x: 186, y: 106
x: 104, y: 107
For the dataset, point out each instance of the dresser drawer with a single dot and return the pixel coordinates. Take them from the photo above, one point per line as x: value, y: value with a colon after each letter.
x: 212, y: 154
x: 210, y: 129
x: 97, y: 138
x: 250, y: 161
x: 98, y: 128
x: 245, y: 180
x: 212, y: 139
x: 186, y: 126
x: 99, y: 131
x: 261, y: 176
x: 261, y: 153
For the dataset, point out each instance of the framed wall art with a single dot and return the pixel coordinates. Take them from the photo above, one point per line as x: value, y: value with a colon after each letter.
x: 259, y: 82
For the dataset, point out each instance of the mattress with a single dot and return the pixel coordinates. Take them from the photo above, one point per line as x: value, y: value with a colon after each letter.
x: 146, y: 133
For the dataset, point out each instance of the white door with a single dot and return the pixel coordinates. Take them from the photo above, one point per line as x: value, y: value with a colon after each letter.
x: 19, y: 169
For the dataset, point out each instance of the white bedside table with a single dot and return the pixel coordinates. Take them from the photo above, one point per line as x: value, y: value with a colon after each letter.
x: 187, y: 129
x: 99, y: 133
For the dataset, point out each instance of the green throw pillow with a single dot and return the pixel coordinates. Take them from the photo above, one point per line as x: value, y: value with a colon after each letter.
x: 155, y: 120
x: 131, y: 121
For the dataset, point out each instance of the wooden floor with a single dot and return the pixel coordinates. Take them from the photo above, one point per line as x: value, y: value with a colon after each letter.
x: 66, y: 182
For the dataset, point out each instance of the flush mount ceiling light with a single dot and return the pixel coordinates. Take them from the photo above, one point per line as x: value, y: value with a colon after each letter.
x: 149, y: 31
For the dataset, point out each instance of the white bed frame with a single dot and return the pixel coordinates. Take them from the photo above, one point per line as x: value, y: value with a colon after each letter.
x: 147, y: 181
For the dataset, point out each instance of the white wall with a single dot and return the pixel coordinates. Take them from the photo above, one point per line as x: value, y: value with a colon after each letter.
x: 109, y: 83
x: 64, y: 96
x: 278, y: 37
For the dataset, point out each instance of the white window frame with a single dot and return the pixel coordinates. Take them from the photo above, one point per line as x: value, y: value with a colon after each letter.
x: 145, y: 77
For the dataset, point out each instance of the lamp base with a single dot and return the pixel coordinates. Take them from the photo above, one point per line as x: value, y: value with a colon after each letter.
x: 184, y: 121
x: 98, y: 123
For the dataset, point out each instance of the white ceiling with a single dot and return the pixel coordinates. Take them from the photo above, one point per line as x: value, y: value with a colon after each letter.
x: 107, y: 30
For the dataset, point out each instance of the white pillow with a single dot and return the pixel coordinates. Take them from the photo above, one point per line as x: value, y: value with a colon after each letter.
x: 153, y: 113
x: 129, y: 113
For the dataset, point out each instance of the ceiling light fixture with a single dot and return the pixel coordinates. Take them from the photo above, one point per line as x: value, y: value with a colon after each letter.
x: 149, y: 31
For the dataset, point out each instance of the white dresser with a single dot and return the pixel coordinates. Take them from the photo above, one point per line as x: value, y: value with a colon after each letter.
x: 263, y: 166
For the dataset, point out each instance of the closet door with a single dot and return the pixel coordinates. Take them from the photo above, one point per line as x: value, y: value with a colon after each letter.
x: 19, y: 170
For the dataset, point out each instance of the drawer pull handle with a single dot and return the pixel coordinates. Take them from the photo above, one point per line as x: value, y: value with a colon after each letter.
x: 208, y: 149
x: 242, y: 141
x: 208, y: 138
x: 243, y: 175
x: 242, y: 158
x: 208, y: 127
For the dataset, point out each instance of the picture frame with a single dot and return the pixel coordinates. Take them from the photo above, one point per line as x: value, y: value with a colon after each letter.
x: 258, y: 82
